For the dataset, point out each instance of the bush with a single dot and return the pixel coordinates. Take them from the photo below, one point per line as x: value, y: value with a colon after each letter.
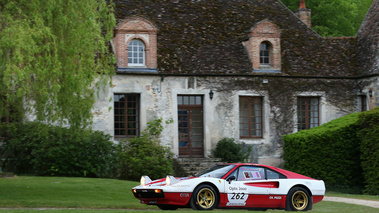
x: 144, y: 155
x: 39, y: 149
x: 329, y: 152
x: 230, y: 151
x: 369, y: 134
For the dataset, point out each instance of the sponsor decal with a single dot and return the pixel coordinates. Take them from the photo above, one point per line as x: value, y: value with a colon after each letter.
x: 180, y: 186
x: 219, y: 181
x: 184, y: 195
x: 275, y: 197
x: 235, y: 204
x: 153, y: 202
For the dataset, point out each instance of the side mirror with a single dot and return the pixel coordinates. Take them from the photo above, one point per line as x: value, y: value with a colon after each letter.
x: 231, y: 178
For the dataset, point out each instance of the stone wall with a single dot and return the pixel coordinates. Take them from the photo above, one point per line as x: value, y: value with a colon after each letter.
x: 221, y: 114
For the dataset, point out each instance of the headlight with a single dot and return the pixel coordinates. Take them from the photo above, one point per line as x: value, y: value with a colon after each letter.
x: 170, y: 180
x: 145, y: 180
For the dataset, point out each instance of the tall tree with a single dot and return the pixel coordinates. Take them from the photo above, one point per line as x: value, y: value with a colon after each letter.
x: 334, y: 17
x: 53, y: 53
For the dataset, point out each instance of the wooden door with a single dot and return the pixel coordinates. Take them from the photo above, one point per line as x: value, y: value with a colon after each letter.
x: 191, y: 131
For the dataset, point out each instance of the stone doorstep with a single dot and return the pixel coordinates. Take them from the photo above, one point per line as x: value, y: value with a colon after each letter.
x: 195, y: 165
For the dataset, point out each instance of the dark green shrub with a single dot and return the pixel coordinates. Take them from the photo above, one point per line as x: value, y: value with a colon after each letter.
x: 230, y: 151
x: 369, y: 134
x: 40, y: 149
x: 329, y: 152
x: 144, y: 155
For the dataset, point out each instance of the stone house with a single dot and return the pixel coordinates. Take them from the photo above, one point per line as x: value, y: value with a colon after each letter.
x: 251, y: 70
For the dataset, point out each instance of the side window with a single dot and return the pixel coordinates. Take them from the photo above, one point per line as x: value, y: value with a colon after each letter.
x: 247, y: 173
x: 274, y: 175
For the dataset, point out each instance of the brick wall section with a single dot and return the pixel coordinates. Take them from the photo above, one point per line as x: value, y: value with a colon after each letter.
x: 368, y: 41
x: 205, y: 37
x: 264, y: 31
x: 304, y: 15
x: 136, y: 28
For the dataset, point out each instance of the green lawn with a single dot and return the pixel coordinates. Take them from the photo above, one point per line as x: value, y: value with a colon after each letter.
x: 106, y: 195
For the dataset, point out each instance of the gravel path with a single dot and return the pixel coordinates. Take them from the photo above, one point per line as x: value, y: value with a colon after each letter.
x: 370, y: 203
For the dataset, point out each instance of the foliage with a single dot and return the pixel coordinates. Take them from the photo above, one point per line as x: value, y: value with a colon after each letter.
x: 144, y: 155
x: 329, y: 152
x: 51, y: 52
x: 335, y: 17
x: 36, y: 148
x: 230, y: 151
x: 369, y: 135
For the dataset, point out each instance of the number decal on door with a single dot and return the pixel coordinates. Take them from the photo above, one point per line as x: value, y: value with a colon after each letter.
x: 238, y: 196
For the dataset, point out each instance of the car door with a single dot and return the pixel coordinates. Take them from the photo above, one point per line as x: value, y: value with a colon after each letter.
x: 249, y: 189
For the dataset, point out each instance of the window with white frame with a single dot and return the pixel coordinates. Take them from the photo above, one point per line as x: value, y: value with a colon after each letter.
x: 136, y: 53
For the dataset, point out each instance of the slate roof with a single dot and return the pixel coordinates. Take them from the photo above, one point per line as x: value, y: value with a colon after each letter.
x: 205, y: 37
x: 368, y: 40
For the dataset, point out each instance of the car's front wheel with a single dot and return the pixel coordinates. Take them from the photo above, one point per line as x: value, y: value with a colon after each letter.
x: 204, y: 197
x: 298, y: 199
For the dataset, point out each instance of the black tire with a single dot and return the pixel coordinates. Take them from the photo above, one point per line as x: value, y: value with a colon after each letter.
x: 204, y: 197
x: 167, y: 207
x: 298, y: 199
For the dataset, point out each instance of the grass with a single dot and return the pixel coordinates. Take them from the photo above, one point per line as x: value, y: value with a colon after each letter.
x: 84, y: 195
x: 64, y: 192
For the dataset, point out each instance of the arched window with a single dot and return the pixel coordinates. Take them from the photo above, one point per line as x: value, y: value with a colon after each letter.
x: 136, y: 53
x: 264, y: 53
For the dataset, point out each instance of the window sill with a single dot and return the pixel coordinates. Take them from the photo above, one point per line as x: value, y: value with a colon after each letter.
x: 268, y: 71
x: 136, y: 70
x: 253, y: 140
x: 122, y: 137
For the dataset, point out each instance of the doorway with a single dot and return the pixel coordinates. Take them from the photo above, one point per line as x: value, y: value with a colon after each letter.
x: 190, y: 126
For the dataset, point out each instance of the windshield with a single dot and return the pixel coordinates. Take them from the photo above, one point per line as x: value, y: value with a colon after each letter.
x: 217, y: 171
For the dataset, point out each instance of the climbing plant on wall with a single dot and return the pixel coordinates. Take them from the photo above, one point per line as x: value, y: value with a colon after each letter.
x: 50, y: 54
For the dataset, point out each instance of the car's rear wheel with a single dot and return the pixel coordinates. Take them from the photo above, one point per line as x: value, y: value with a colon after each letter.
x: 204, y: 197
x: 298, y: 199
x: 167, y: 207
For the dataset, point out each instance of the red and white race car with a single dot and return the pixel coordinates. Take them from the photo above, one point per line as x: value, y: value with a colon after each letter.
x: 247, y: 186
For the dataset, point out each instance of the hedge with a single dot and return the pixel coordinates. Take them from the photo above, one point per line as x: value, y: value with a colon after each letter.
x: 369, y: 135
x: 39, y: 149
x: 344, y: 152
x: 329, y: 152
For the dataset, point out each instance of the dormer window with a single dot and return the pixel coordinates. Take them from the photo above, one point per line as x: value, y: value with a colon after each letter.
x: 264, y: 53
x: 263, y: 47
x: 136, y: 53
x: 136, y: 45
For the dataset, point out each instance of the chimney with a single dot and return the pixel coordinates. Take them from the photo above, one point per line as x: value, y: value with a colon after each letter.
x: 303, y: 13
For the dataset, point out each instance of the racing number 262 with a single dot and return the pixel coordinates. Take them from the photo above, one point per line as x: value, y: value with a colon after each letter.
x: 238, y: 196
